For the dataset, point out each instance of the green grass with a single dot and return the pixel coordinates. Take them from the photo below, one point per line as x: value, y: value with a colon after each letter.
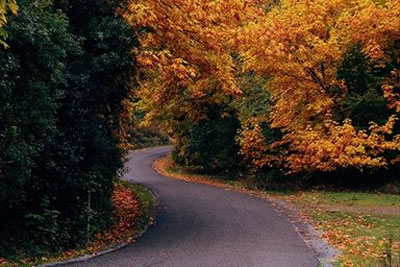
x: 345, y: 198
x: 365, y: 240
x: 362, y: 199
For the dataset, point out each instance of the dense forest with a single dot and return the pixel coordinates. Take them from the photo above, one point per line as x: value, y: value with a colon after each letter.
x: 266, y: 89
x: 66, y: 70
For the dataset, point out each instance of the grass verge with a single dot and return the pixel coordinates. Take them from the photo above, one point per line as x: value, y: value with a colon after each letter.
x: 134, y: 208
x: 365, y: 227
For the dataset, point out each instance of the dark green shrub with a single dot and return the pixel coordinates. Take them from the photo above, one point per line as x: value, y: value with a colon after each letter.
x: 364, y: 102
x: 209, y: 146
x: 62, y: 80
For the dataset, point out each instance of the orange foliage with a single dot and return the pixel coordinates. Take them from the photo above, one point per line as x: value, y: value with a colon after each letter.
x: 126, y: 208
x: 125, y: 218
x: 6, y: 6
x: 187, y: 53
x: 192, y: 52
x: 125, y: 122
x: 301, y: 44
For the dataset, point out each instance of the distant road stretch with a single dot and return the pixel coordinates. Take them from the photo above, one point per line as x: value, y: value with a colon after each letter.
x: 201, y: 226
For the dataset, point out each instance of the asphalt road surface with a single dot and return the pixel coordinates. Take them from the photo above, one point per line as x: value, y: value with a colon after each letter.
x: 201, y: 226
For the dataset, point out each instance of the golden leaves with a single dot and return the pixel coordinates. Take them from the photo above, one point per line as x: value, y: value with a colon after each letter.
x: 5, y: 7
x: 139, y: 15
x: 300, y: 45
x: 192, y: 52
x: 185, y: 54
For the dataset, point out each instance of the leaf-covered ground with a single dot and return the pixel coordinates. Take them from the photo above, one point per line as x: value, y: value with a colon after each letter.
x: 133, y: 211
x: 365, y: 227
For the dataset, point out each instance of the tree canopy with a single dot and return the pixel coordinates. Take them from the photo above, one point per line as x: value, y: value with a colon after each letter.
x: 314, y: 58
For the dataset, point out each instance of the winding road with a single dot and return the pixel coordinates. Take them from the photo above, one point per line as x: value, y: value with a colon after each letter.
x: 201, y: 226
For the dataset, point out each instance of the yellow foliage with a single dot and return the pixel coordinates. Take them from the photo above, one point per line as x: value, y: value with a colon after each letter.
x: 187, y: 53
x: 193, y: 50
x: 5, y: 7
x: 301, y: 44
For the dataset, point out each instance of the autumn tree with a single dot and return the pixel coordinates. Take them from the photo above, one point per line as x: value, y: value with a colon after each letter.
x: 301, y: 45
x: 323, y: 66
x: 6, y: 6
x: 189, y: 65
x: 188, y: 55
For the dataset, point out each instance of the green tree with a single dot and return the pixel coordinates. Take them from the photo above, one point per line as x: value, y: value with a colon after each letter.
x: 34, y: 74
x: 209, y: 146
x: 364, y: 102
x: 68, y: 67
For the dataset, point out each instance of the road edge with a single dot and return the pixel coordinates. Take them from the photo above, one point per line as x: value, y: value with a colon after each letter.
x: 115, y: 248
x: 324, y: 252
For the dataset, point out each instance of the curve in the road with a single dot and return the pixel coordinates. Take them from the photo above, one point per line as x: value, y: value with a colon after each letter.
x: 201, y: 226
